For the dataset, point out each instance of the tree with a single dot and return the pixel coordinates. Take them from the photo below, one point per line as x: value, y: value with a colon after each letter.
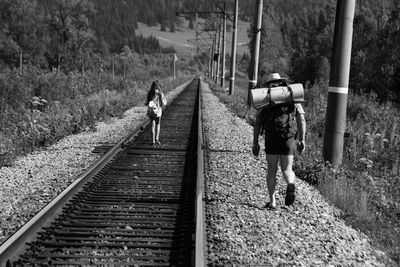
x: 163, y: 27
x: 21, y: 31
x: 191, y: 24
x: 172, y: 26
x: 385, y: 75
x: 69, y: 29
x: 363, y: 49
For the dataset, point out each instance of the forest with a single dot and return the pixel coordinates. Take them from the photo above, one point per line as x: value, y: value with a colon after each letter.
x: 297, y: 39
x: 296, y: 36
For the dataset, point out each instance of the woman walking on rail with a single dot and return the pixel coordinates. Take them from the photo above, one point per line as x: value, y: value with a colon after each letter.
x: 281, y: 124
x: 155, y: 102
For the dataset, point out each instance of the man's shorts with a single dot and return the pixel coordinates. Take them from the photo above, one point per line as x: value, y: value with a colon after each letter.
x: 280, y: 147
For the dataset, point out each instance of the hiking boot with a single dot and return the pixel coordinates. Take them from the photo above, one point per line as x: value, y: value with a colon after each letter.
x: 290, y: 194
x: 269, y: 206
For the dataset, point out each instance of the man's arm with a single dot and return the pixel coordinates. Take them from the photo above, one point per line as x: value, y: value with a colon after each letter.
x: 301, y: 128
x: 256, y: 134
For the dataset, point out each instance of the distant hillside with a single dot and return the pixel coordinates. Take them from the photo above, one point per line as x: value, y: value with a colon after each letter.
x: 183, y: 39
x: 117, y: 22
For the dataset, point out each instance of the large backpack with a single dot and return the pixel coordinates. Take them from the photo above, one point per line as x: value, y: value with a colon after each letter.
x: 279, y: 121
x: 154, y: 109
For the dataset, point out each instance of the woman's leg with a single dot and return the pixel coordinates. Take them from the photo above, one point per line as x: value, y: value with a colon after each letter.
x: 271, y: 177
x: 158, y: 124
x: 153, y: 131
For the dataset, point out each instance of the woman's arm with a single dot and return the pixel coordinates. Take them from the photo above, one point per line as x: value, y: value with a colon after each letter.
x: 162, y: 100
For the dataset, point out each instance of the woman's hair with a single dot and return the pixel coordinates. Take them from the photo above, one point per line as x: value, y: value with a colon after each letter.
x: 152, y: 92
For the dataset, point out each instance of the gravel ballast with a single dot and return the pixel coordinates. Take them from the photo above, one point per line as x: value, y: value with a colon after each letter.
x: 240, y: 231
x: 34, y: 180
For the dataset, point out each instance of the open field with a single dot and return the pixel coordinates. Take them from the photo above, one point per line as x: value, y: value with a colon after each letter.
x: 183, y: 40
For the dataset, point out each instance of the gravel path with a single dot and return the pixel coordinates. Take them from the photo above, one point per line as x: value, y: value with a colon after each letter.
x: 34, y: 180
x: 241, y: 232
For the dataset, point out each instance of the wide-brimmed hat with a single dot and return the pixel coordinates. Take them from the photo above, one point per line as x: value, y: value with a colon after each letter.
x: 275, y: 77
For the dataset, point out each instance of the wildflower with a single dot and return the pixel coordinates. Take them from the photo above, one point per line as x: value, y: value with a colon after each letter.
x: 366, y: 162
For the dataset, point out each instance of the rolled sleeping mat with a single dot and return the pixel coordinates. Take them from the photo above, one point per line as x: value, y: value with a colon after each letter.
x: 261, y: 97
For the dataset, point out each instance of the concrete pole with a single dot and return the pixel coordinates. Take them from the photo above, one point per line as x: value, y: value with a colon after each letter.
x: 59, y: 62
x: 113, y: 67
x: 223, y: 47
x: 196, y: 27
x: 209, y: 68
x: 255, y: 52
x: 20, y: 63
x: 335, y: 123
x: 233, y: 55
x: 173, y: 62
x: 214, y: 48
x: 210, y: 63
x: 124, y: 67
x: 219, y: 51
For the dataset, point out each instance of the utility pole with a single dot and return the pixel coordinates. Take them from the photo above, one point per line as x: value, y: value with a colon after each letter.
x: 219, y: 50
x: 234, y: 43
x: 223, y: 46
x: 20, y: 63
x: 212, y: 60
x: 196, y: 16
x: 217, y: 45
x: 208, y: 68
x: 113, y: 67
x: 335, y: 123
x: 214, y: 52
x: 255, y: 49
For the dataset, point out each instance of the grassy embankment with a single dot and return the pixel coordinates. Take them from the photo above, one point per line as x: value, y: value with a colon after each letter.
x: 70, y: 103
x: 366, y: 187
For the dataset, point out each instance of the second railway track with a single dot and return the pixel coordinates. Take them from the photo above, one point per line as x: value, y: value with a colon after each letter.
x: 138, y: 210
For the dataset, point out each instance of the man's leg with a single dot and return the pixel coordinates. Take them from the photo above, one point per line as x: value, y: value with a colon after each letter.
x: 271, y: 177
x: 288, y: 174
x: 286, y: 167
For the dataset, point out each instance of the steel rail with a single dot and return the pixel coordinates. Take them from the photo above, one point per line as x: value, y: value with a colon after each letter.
x: 15, y: 244
x: 200, y: 205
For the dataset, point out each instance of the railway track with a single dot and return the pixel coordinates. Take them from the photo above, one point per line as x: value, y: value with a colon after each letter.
x: 138, y: 206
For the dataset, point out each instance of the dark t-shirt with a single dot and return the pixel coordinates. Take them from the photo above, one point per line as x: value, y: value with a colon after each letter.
x: 276, y: 146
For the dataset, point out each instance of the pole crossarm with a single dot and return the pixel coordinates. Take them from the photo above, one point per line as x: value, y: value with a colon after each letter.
x: 223, y: 10
x: 180, y: 14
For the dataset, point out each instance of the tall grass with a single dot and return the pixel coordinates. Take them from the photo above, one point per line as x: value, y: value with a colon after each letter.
x: 66, y: 103
x: 366, y: 187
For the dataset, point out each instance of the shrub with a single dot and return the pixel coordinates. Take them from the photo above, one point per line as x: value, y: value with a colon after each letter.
x: 74, y: 102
